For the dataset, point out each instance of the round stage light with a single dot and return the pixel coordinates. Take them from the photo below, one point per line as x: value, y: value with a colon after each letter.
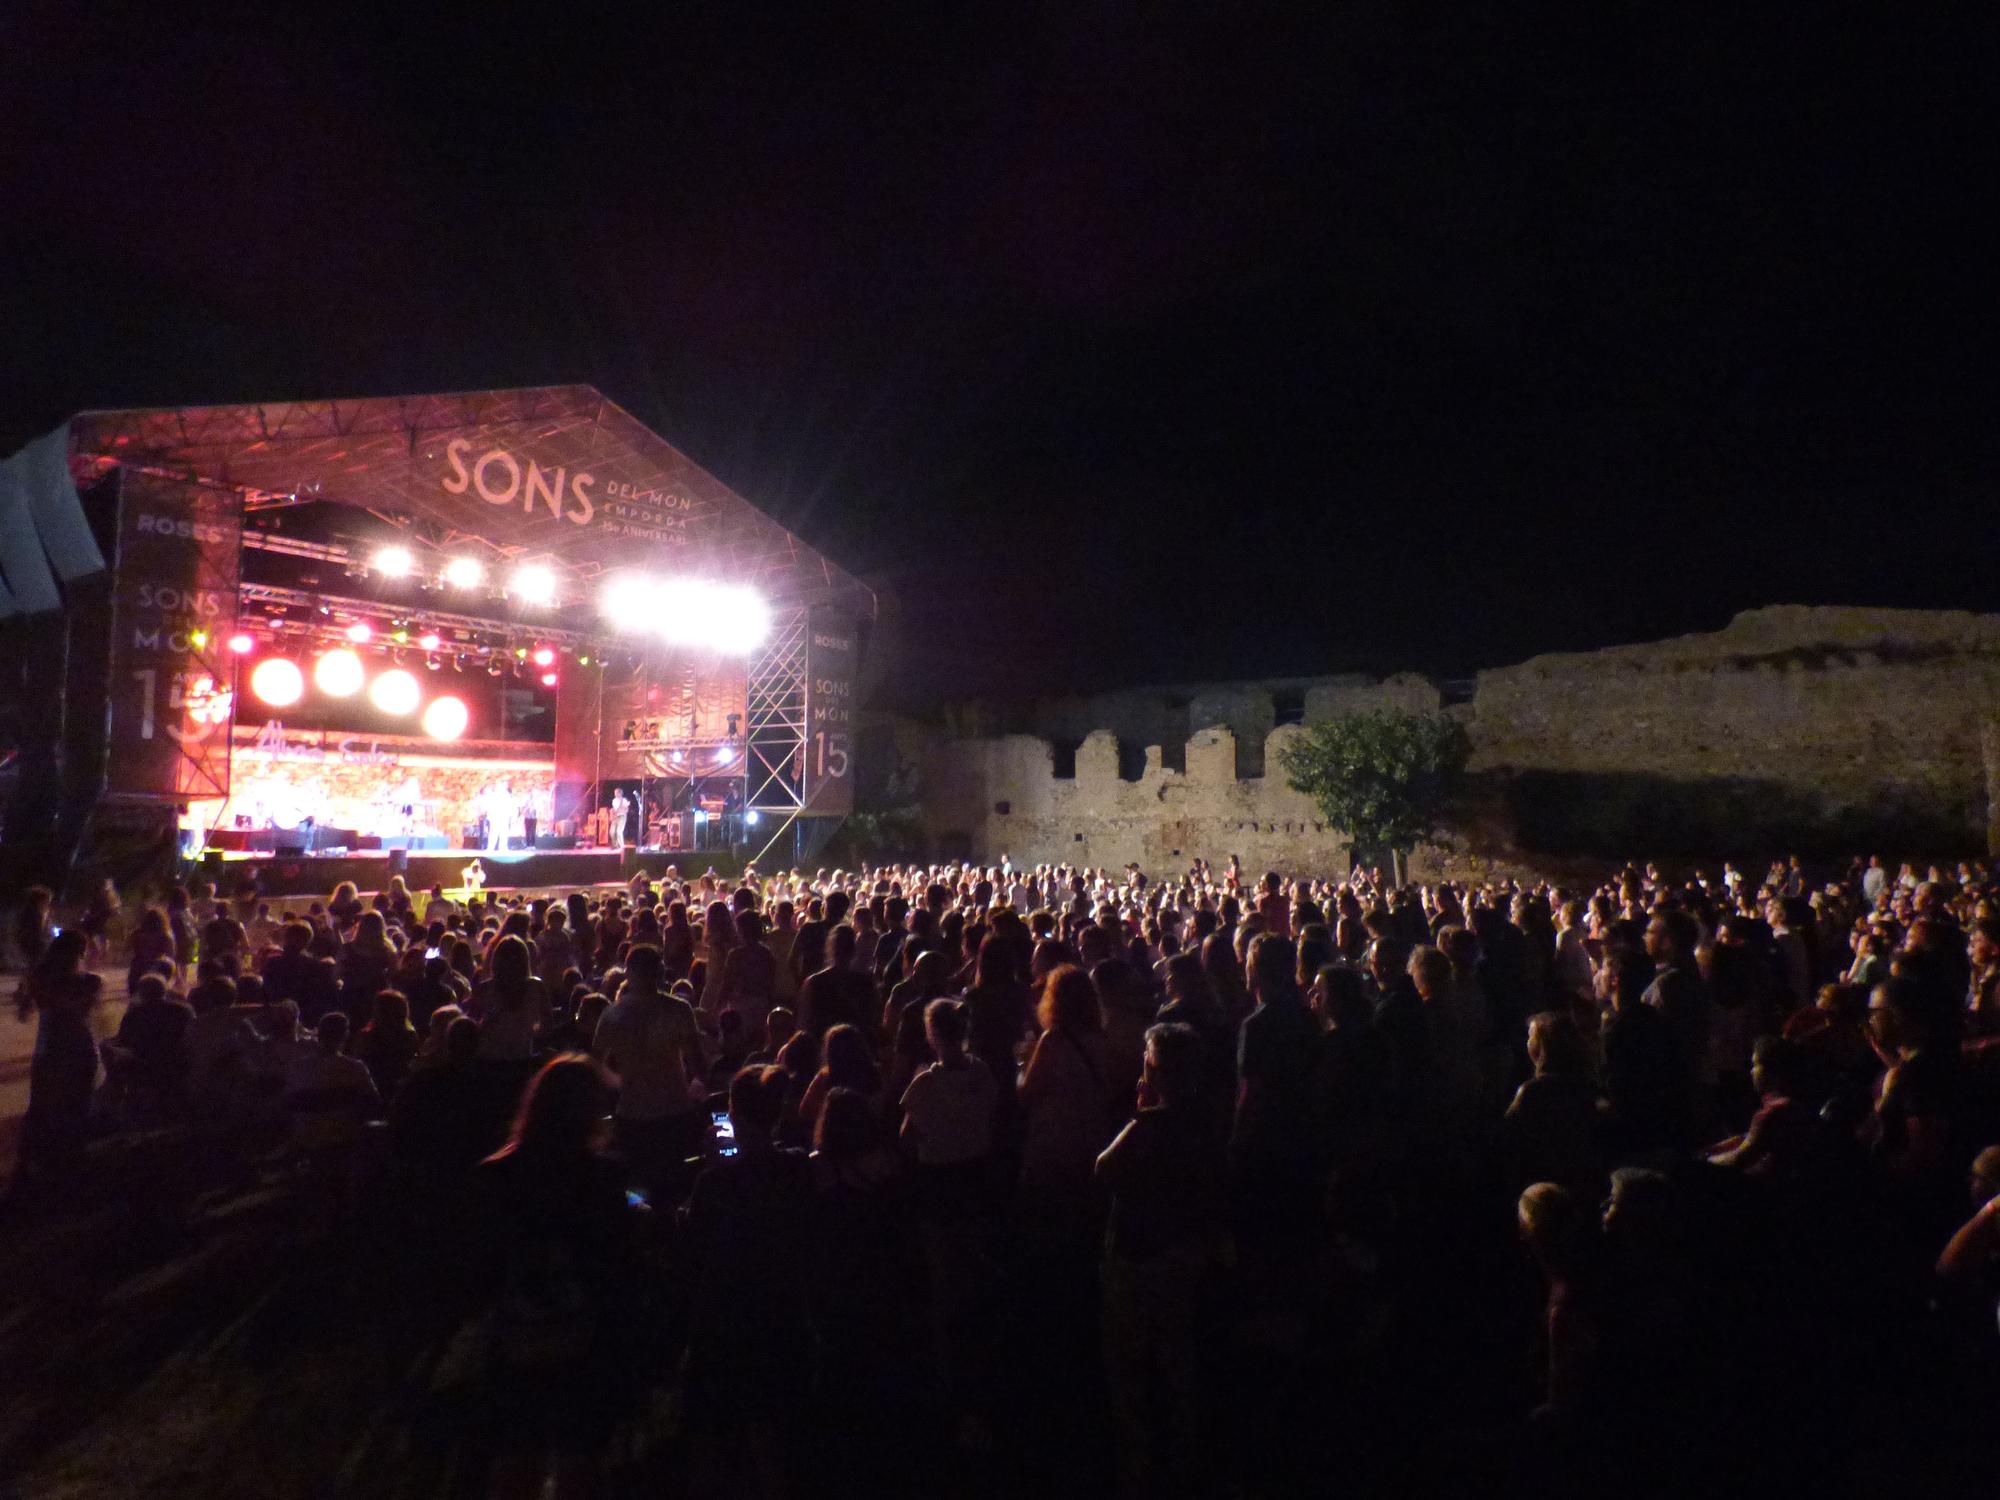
x: 533, y: 584
x: 445, y: 719
x: 361, y: 632
x: 544, y: 657
x: 395, y: 692
x: 277, y: 682
x: 464, y: 572
x: 722, y: 756
x: 548, y: 679
x: 338, y: 674
x: 242, y: 644
x: 430, y: 640
x: 750, y: 818
x: 394, y: 562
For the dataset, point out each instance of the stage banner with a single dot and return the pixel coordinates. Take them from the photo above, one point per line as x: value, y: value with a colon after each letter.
x: 831, y: 660
x: 626, y: 722
x: 173, y: 690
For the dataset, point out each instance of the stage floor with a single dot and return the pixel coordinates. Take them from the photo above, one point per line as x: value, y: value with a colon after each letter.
x: 284, y: 876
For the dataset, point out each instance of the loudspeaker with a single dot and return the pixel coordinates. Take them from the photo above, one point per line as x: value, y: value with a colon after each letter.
x: 399, y: 861
x: 211, y: 861
x: 291, y: 850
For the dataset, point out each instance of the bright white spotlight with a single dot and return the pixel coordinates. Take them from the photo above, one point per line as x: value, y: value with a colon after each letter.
x: 395, y: 692
x: 445, y: 719
x: 722, y: 756
x: 751, y: 817
x: 738, y: 620
x: 361, y: 632
x: 681, y: 612
x: 394, y: 562
x: 629, y: 602
x: 533, y: 583
x: 338, y: 674
x: 464, y: 572
x: 278, y: 682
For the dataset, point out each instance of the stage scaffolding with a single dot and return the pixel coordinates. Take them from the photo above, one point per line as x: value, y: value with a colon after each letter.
x: 403, y: 463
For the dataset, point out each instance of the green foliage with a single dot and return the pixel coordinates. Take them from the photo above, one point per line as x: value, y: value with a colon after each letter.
x: 1387, y: 779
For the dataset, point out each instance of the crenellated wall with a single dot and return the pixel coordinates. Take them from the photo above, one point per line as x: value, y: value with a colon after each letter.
x: 1828, y: 727
x: 1002, y: 796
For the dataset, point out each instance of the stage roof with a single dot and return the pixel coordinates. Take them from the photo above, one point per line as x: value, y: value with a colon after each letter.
x: 556, y: 473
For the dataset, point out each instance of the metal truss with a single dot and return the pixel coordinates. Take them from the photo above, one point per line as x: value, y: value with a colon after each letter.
x: 777, y: 718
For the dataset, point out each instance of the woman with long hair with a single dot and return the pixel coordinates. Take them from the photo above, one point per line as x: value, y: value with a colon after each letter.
x: 1066, y: 1104
x: 367, y: 964
x: 512, y: 1004
x: 64, y: 1070
x: 718, y: 941
x: 845, y: 1064
x: 557, y: 1332
x: 151, y: 942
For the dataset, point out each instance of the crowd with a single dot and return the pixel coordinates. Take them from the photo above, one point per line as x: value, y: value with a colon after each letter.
x: 1180, y: 1183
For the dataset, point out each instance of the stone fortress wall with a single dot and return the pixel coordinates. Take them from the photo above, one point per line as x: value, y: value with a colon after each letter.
x: 1790, y: 726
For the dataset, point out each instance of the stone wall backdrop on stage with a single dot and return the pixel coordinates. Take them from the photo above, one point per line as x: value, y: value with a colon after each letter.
x: 172, y: 674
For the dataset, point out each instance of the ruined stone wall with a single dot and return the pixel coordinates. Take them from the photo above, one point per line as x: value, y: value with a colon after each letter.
x: 1828, y: 727
x: 1830, y: 717
x: 990, y: 797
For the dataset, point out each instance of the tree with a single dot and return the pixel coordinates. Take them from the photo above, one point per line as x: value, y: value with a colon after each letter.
x: 1387, y: 778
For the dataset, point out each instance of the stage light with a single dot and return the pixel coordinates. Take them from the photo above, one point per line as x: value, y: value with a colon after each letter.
x: 628, y: 602
x: 445, y: 719
x: 681, y: 612
x: 433, y: 663
x: 738, y: 620
x: 242, y: 644
x: 394, y: 562
x: 401, y: 637
x: 338, y: 674
x: 533, y: 583
x: 429, y: 640
x: 544, y: 657
x: 360, y: 632
x: 520, y: 653
x: 197, y: 638
x: 722, y: 756
x: 583, y: 661
x: 395, y: 692
x: 677, y: 757
x: 548, y: 679
x: 750, y: 818
x: 493, y: 667
x: 277, y: 682
x: 464, y: 572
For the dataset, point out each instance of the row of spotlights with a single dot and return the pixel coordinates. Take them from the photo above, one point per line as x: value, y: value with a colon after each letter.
x: 688, y: 612
x: 532, y: 583
x: 278, y: 682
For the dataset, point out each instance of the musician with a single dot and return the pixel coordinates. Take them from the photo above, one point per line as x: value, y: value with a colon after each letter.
x: 620, y: 811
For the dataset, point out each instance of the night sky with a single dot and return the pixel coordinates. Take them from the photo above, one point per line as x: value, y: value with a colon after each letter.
x: 1121, y: 344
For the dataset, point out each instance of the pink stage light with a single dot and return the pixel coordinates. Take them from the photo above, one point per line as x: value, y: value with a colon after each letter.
x: 242, y: 644
x: 544, y: 657
x: 445, y: 718
x: 548, y: 679
x: 360, y: 633
x: 430, y: 640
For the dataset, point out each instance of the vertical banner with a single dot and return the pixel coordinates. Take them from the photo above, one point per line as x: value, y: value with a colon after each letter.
x: 831, y: 657
x: 173, y: 688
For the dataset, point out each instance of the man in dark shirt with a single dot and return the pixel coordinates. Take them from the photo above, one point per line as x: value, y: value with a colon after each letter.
x: 1272, y: 1149
x: 1164, y: 1173
x: 1680, y: 995
x: 839, y: 992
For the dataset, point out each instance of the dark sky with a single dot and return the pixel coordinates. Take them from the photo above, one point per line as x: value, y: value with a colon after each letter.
x: 1122, y: 342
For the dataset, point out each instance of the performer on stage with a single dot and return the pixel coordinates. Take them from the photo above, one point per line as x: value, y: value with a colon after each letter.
x: 620, y: 812
x: 500, y: 810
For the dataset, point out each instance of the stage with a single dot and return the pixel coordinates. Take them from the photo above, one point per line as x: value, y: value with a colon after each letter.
x: 285, y: 877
